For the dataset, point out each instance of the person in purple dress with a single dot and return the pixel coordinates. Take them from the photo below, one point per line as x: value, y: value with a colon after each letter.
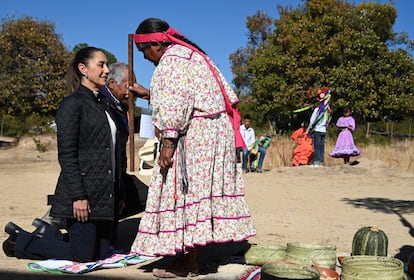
x: 345, y: 146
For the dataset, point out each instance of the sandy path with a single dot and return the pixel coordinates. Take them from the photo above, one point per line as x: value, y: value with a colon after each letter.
x: 288, y: 204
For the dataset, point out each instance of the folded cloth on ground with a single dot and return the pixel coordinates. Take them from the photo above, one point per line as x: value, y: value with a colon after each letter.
x: 71, y: 267
x: 234, y: 271
x: 254, y: 273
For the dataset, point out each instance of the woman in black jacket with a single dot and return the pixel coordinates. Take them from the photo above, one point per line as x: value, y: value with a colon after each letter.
x: 91, y: 152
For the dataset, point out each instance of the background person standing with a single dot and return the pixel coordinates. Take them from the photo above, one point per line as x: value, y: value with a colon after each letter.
x: 318, y: 124
x: 345, y: 146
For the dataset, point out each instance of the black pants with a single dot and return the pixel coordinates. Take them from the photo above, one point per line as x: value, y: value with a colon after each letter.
x: 84, y: 242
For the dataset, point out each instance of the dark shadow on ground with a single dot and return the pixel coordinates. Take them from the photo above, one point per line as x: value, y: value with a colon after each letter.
x: 4, y: 145
x: 388, y: 206
x: 211, y: 257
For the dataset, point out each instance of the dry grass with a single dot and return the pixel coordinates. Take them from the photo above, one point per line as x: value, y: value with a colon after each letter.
x: 398, y: 155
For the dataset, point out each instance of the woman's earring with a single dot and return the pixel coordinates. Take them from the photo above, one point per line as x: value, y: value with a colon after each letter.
x: 86, y: 76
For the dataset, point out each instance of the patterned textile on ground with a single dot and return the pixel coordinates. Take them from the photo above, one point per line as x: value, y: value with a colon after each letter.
x: 71, y: 267
x: 253, y: 273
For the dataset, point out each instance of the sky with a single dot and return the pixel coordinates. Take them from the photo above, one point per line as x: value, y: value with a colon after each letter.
x: 217, y: 26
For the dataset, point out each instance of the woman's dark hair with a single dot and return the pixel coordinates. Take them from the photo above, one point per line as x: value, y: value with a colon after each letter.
x: 153, y: 25
x: 347, y: 110
x: 73, y: 77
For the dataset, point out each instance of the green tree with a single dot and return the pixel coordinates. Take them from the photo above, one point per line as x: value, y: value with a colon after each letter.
x: 350, y: 48
x: 260, y: 27
x: 111, y: 58
x: 33, y: 66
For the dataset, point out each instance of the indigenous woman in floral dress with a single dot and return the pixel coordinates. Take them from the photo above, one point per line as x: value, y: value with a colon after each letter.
x: 345, y: 146
x: 196, y: 193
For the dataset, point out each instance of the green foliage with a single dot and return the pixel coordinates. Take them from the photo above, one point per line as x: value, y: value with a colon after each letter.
x: 33, y: 67
x: 260, y: 28
x: 382, y: 132
x: 330, y: 43
x: 34, y: 124
x: 260, y: 122
x: 41, y: 147
x: 241, y: 77
x: 12, y: 126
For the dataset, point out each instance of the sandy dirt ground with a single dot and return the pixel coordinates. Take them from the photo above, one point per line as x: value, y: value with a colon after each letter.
x: 289, y: 204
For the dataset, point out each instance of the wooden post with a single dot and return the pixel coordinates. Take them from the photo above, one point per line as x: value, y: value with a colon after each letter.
x: 2, y: 123
x: 131, y: 105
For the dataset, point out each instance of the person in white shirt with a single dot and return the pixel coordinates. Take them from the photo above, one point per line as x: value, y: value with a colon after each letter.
x: 318, y: 123
x: 249, y: 138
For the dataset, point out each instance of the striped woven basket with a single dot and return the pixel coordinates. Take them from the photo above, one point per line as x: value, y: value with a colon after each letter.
x: 372, y: 267
x: 285, y: 271
x: 307, y: 254
x: 261, y: 254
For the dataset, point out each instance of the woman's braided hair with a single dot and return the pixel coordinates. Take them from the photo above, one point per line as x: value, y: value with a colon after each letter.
x: 153, y: 25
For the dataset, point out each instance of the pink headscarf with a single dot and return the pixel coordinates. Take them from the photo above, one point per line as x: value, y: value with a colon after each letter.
x: 165, y: 36
x: 168, y: 36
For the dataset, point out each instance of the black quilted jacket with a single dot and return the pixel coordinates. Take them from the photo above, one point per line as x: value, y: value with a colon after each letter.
x: 84, y: 152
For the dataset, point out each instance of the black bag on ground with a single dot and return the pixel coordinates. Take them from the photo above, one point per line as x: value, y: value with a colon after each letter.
x: 135, y: 196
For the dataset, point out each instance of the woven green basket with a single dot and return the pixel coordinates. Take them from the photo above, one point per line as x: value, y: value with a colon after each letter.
x: 303, y: 253
x: 285, y: 271
x: 372, y: 267
x: 261, y: 254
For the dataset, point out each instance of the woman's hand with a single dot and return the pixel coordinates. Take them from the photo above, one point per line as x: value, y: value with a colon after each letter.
x: 139, y: 90
x: 81, y: 210
x: 166, y: 159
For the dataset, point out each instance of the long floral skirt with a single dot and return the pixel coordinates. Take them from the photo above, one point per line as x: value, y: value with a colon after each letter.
x: 201, y: 201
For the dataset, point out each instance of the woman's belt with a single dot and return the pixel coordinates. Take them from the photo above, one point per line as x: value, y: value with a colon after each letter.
x: 211, y: 116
